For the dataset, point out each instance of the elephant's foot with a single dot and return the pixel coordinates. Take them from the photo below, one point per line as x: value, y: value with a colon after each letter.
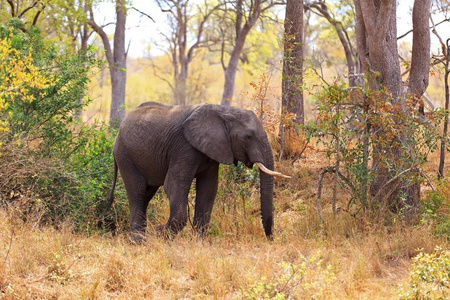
x: 137, y: 237
x: 165, y: 232
x: 201, y: 231
x: 202, y: 238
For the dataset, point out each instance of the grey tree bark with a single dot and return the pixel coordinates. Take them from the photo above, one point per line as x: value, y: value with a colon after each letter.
x: 443, y: 149
x: 376, y: 32
x: 231, y: 69
x: 117, y: 61
x: 292, y: 80
x: 376, y: 29
x: 119, y: 70
x: 420, y: 60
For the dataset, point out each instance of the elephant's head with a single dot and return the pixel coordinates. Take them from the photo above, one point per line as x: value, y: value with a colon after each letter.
x: 227, y: 135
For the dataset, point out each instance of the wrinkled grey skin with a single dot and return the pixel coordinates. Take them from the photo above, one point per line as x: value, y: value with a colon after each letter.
x: 159, y: 145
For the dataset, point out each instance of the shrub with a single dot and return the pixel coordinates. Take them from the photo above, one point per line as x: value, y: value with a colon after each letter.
x: 54, y: 169
x: 435, y: 208
x: 18, y: 73
x: 309, y: 279
x: 293, y: 141
x: 352, y: 123
x: 45, y: 114
x: 237, y: 184
x: 430, y: 277
x: 56, y: 189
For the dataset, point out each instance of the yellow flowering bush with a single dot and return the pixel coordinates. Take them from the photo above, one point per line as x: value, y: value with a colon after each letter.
x: 17, y: 76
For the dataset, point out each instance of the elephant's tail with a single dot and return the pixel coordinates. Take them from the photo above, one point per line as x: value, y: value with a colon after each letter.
x: 110, y: 197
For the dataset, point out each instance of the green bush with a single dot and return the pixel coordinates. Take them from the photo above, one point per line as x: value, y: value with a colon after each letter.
x: 353, y: 125
x: 53, y: 168
x: 48, y: 120
x: 435, y: 210
x: 57, y: 189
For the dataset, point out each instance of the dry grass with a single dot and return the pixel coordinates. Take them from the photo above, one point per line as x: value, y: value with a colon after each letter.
x: 49, y: 264
x: 347, y: 258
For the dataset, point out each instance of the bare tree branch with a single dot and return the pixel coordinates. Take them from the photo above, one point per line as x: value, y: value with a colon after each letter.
x: 143, y: 13
x: 431, y: 27
x: 27, y: 9
x: 99, y: 30
x: 200, y: 32
x: 36, y: 17
x: 13, y: 10
x: 157, y: 71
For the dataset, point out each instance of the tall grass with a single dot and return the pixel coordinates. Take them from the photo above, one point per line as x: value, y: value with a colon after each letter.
x: 345, y: 258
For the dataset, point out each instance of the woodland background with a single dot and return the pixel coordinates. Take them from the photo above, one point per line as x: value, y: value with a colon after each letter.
x: 358, y: 117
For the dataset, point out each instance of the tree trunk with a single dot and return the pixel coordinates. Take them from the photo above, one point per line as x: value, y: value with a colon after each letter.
x: 230, y: 72
x: 117, y: 61
x: 292, y: 80
x: 254, y: 8
x: 376, y: 32
x: 446, y: 117
x: 378, y: 52
x: 418, y: 81
x: 180, y: 89
x: 118, y: 81
x: 118, y: 68
x: 420, y: 60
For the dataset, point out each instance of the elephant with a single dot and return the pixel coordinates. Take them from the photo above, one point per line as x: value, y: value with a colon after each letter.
x: 161, y: 145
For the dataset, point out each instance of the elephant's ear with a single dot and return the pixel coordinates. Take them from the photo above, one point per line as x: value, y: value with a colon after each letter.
x: 207, y: 132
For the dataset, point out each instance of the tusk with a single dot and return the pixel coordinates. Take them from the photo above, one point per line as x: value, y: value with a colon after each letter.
x: 273, y: 173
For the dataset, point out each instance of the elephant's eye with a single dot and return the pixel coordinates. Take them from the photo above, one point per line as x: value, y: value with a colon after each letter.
x: 248, y: 137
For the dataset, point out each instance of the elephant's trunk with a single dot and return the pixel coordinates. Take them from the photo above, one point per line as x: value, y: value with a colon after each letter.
x: 266, y: 190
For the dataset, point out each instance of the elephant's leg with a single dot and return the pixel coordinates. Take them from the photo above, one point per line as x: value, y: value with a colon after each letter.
x: 206, y: 187
x: 138, y: 213
x: 177, y: 189
x: 138, y: 201
x: 139, y: 195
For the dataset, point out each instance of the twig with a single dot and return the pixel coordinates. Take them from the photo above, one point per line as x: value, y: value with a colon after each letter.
x: 9, y: 246
x: 431, y: 27
x: 446, y: 106
x: 301, y: 152
x: 392, y: 180
x: 320, y: 185
x: 428, y: 179
x: 434, y: 31
x: 143, y: 13
x: 66, y: 271
x: 10, y: 90
x: 319, y: 192
x: 338, y: 161
x: 321, y: 74
x: 285, y: 287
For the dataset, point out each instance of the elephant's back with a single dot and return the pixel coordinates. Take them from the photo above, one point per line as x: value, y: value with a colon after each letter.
x: 151, y: 124
x: 156, y: 114
x: 146, y: 138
